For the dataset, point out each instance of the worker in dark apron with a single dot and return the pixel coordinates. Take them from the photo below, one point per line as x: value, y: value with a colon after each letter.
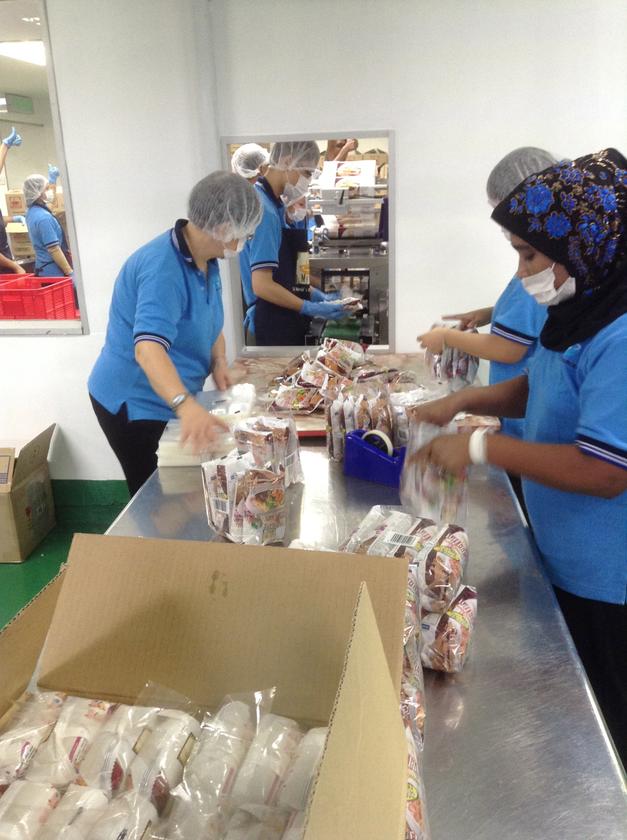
x: 278, y: 299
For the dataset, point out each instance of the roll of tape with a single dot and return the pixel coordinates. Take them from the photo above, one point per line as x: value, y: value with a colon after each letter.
x: 379, y: 440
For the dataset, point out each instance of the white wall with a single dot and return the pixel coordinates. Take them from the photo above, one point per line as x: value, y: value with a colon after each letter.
x: 460, y: 84
x: 135, y: 86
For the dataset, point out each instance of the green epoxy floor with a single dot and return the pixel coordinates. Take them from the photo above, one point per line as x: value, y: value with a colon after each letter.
x: 78, y: 511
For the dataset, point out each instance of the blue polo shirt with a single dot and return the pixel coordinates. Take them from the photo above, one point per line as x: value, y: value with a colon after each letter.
x: 44, y: 232
x: 580, y: 396
x: 518, y: 318
x: 262, y: 251
x: 158, y: 296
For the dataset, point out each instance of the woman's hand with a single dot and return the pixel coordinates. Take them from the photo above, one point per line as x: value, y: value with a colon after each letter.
x: 434, y: 340
x: 448, y: 452
x: 199, y: 428
x: 221, y: 373
x: 438, y: 412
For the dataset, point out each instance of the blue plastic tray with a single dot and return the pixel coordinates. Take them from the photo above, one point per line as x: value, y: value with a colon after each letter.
x: 364, y: 460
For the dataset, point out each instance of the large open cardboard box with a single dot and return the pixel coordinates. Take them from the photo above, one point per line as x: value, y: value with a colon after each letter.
x: 212, y: 619
x: 26, y: 502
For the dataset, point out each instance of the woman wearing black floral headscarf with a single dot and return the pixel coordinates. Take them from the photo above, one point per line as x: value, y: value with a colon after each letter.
x: 569, y: 227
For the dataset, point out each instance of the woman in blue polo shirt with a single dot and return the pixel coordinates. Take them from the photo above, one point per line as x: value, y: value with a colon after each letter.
x: 516, y: 319
x: 278, y: 310
x: 45, y: 232
x: 165, y: 335
x: 568, y: 225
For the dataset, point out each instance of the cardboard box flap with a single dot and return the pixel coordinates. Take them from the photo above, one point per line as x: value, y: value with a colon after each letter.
x: 7, y: 463
x: 33, y: 454
x: 360, y: 791
x: 209, y: 619
x: 21, y: 642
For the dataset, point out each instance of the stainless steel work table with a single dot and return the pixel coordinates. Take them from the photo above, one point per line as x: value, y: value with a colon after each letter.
x: 515, y: 748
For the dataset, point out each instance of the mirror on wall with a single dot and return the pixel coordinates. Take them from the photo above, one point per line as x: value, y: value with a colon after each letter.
x: 38, y: 260
x: 335, y: 241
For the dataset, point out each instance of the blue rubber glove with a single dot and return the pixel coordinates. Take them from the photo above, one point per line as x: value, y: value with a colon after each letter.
x: 317, y: 295
x: 13, y: 138
x: 324, y: 309
x: 53, y: 173
x: 20, y: 219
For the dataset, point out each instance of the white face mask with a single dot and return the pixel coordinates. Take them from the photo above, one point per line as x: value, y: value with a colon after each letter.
x: 230, y: 254
x: 49, y: 196
x: 292, y: 192
x: 296, y: 214
x: 541, y: 286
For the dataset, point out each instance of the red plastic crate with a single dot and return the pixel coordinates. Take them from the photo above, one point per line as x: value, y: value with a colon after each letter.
x: 4, y: 278
x: 40, y: 298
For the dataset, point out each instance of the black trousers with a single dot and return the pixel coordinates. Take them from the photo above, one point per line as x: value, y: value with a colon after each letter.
x: 135, y: 443
x: 599, y: 631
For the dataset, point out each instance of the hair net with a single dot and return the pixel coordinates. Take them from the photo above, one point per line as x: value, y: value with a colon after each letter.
x: 34, y: 186
x: 514, y: 168
x: 299, y: 154
x: 247, y: 160
x: 225, y: 206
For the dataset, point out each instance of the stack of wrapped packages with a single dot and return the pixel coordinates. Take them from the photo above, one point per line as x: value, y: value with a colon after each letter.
x: 78, y: 769
x: 245, y: 490
x: 452, y: 366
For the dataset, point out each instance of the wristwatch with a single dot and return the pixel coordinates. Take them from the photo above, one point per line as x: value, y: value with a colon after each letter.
x: 178, y: 400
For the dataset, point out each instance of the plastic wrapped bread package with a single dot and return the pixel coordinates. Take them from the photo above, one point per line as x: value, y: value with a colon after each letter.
x: 127, y: 817
x: 447, y: 638
x: 427, y: 490
x: 263, y: 771
x: 26, y: 730
x: 440, y: 568
x: 57, y: 760
x: 76, y: 814
x: 257, y: 822
x: 108, y: 759
x: 158, y: 766
x: 210, y: 772
x: 416, y: 824
x: 295, y: 828
x: 24, y: 808
x: 296, y: 786
x: 272, y: 441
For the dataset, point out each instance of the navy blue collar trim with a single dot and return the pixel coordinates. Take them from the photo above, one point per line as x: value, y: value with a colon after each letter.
x: 178, y: 240
x: 180, y: 243
x: 265, y: 186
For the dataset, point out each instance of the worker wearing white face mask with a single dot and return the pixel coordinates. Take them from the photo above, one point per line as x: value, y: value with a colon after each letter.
x: 516, y: 319
x: 52, y: 256
x: 569, y: 221
x: 278, y: 309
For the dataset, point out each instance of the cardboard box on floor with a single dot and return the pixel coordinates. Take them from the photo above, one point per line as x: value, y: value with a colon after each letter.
x: 216, y: 619
x: 26, y: 503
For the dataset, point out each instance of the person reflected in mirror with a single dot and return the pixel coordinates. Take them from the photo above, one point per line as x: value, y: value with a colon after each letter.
x: 250, y: 161
x: 516, y: 319
x: 165, y: 331
x: 278, y: 307
x: 7, y: 264
x: 52, y: 256
x: 339, y: 150
x: 568, y: 227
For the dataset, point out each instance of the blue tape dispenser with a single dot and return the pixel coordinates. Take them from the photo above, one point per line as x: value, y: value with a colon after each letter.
x: 370, y: 455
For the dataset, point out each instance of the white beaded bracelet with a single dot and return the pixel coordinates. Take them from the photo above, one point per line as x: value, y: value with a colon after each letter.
x: 478, y: 447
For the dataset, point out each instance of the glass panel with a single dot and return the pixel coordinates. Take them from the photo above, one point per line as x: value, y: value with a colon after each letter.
x: 38, y: 261
x: 344, y: 251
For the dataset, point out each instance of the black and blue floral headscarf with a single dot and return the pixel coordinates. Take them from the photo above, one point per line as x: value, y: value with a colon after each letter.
x: 575, y: 213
